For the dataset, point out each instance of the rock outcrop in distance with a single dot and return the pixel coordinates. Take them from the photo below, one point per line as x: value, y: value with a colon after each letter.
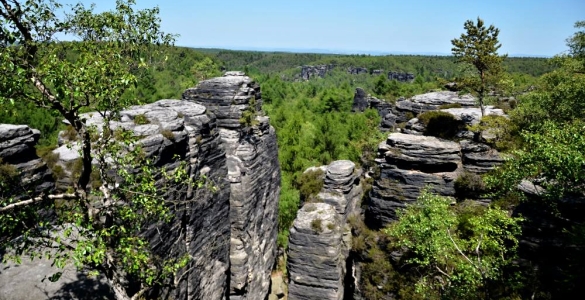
x: 230, y: 234
x: 320, y: 238
x: 308, y: 72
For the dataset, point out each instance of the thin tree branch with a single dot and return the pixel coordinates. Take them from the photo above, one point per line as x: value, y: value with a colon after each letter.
x: 459, y: 250
x: 38, y: 199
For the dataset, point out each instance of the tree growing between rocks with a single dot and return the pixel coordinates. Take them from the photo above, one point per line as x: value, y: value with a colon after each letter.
x: 456, y: 252
x: 96, y: 223
x: 478, y: 48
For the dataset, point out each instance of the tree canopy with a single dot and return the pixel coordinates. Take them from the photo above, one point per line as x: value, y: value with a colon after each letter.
x: 478, y: 48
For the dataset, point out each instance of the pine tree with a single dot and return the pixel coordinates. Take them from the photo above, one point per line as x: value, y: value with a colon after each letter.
x: 478, y: 47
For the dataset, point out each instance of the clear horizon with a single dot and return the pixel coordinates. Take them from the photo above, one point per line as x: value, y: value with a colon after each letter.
x: 527, y: 28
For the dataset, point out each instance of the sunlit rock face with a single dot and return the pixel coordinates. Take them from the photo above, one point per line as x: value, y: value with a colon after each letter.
x: 229, y: 231
x: 254, y: 178
x: 320, y: 238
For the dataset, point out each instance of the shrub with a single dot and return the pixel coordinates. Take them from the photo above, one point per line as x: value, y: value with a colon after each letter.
x: 440, y: 124
x: 141, y: 120
x: 450, y: 105
x: 330, y: 226
x: 507, y: 136
x: 469, y: 186
x: 167, y: 134
x: 310, y: 184
x: 409, y: 115
x: 316, y: 225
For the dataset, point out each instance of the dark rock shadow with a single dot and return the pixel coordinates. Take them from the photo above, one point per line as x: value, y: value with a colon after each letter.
x: 84, y: 288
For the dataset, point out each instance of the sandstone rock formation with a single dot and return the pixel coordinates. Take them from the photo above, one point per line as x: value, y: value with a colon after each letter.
x: 320, y: 239
x: 377, y: 72
x: 254, y: 177
x: 230, y: 234
x: 363, y: 101
x: 431, y: 101
x: 357, y: 70
x: 315, y: 261
x: 17, y: 149
x: 308, y: 72
x: 408, y: 163
x: 472, y: 115
x: 402, y: 77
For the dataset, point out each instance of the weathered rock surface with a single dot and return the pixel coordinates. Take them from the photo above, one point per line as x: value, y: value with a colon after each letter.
x: 315, y: 263
x: 254, y: 177
x: 17, y: 149
x: 424, y: 153
x: 408, y: 163
x: 432, y: 101
x: 357, y: 70
x: 479, y: 158
x: 318, y: 261
x: 308, y: 72
x: 232, y: 230
x: 402, y: 77
x: 472, y: 115
x: 363, y: 101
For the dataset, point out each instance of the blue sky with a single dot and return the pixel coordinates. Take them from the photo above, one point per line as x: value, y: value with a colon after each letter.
x: 535, y: 27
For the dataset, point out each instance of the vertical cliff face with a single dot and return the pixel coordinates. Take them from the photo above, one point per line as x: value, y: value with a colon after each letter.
x: 254, y: 178
x: 230, y: 234
x: 320, y: 239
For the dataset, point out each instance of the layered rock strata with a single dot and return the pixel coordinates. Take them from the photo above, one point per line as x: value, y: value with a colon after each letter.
x: 308, y: 72
x: 17, y: 149
x: 363, y: 101
x: 316, y: 263
x: 254, y: 177
x: 431, y: 101
x: 320, y: 239
x: 170, y: 128
x: 230, y: 233
x: 408, y: 163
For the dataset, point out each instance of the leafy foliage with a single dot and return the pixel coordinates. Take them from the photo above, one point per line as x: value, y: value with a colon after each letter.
x: 457, y: 255
x: 440, y: 124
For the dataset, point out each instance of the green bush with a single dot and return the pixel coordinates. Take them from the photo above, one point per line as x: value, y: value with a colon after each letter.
x: 316, y: 225
x: 310, y: 184
x: 469, y: 186
x: 507, y: 135
x: 450, y: 105
x: 440, y: 124
x: 141, y: 120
